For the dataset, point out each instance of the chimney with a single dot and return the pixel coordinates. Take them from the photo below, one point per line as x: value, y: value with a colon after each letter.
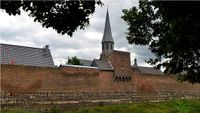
x: 46, y: 49
x: 47, y: 46
x: 135, y: 62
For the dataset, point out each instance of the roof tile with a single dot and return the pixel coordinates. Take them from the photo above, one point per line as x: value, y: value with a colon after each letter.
x: 23, y: 55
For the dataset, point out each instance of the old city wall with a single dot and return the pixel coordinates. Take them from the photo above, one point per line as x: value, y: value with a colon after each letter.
x: 39, y: 87
x: 32, y: 79
x: 148, y: 84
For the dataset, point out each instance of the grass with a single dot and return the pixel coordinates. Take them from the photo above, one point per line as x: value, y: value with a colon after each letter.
x: 16, y: 111
x: 180, y: 106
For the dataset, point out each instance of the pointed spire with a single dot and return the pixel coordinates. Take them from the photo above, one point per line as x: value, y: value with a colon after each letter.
x: 107, y: 36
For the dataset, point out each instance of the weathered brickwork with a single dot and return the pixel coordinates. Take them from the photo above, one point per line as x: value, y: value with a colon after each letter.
x: 34, y: 100
x: 79, y: 70
x: 121, y: 63
x: 40, y: 87
x: 24, y: 78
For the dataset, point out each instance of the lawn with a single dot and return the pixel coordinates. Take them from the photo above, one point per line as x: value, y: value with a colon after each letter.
x: 181, y: 106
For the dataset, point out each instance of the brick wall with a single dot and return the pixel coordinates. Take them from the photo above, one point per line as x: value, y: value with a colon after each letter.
x: 80, y: 70
x: 33, y: 79
x: 69, y: 100
x: 38, y: 87
x: 121, y: 62
x: 25, y: 78
x: 145, y: 84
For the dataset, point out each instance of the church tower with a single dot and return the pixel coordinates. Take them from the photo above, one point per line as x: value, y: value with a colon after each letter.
x: 107, y: 41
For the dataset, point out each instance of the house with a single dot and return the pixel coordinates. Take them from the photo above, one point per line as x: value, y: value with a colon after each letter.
x: 22, y: 55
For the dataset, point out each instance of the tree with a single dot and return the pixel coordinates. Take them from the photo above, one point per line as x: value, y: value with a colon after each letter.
x: 74, y: 61
x: 65, y: 16
x: 172, y: 30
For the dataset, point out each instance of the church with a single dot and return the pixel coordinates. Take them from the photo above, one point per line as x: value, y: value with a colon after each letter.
x: 117, y: 61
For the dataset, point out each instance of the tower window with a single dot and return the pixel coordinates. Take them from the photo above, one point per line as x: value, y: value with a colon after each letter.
x: 106, y: 46
x: 103, y: 47
x: 111, y: 47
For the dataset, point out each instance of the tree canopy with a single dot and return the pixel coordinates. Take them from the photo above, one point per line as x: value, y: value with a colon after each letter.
x: 171, y: 29
x: 74, y: 61
x: 64, y: 16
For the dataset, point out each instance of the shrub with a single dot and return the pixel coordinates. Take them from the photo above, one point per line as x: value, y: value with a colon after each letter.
x: 55, y: 110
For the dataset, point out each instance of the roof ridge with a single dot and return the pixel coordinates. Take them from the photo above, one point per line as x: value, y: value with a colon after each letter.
x: 120, y: 51
x: 23, y: 55
x: 21, y: 46
x: 85, y: 59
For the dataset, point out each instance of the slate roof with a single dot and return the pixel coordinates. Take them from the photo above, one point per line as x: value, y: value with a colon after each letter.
x: 102, y: 64
x: 22, y: 55
x: 148, y: 70
x: 85, y: 62
x: 107, y: 36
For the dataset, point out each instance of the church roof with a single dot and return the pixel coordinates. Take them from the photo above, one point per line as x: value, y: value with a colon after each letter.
x: 102, y: 64
x: 85, y: 62
x: 148, y: 70
x: 107, y: 36
x: 22, y: 55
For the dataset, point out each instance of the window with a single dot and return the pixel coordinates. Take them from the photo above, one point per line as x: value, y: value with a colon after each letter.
x: 111, y: 47
x: 103, y: 47
x: 106, y: 46
x: 122, y: 59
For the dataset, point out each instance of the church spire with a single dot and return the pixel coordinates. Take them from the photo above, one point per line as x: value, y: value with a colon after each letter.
x: 107, y: 36
x: 107, y: 41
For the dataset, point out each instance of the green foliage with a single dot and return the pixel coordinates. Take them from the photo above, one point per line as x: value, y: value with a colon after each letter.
x: 55, y: 110
x: 83, y: 111
x: 182, y: 106
x: 16, y: 111
x: 63, y: 16
x: 74, y: 61
x: 171, y: 29
x: 179, y: 106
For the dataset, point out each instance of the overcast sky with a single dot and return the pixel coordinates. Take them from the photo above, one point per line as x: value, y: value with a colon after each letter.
x: 85, y: 44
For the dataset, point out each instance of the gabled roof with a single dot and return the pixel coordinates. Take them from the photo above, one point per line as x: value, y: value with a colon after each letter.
x: 148, y: 70
x: 102, y: 64
x: 85, y: 62
x: 107, y: 36
x: 22, y: 55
